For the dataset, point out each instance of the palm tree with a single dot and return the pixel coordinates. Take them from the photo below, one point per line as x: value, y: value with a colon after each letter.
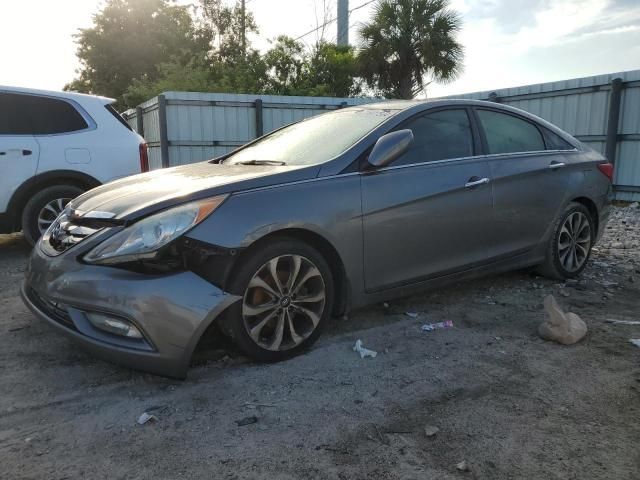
x: 407, y: 41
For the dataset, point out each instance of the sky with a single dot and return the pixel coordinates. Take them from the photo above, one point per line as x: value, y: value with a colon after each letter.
x: 507, y: 42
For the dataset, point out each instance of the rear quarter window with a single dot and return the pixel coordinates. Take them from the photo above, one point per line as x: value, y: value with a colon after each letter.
x: 118, y: 117
x: 509, y: 134
x: 38, y: 115
x: 556, y: 142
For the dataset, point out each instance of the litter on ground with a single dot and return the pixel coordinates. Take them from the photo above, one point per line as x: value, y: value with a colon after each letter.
x: 364, y: 352
x: 623, y: 322
x: 428, y: 327
x: 146, y: 417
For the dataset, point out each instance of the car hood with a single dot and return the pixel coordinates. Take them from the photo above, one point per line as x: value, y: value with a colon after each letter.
x: 139, y: 195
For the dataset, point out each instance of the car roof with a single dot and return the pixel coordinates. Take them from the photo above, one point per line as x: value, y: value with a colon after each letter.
x: 410, y: 107
x: 78, y: 97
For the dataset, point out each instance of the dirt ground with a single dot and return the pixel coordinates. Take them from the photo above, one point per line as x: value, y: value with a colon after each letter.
x: 507, y: 403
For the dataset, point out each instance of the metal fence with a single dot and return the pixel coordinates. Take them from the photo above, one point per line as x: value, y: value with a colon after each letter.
x: 602, y: 111
x: 187, y: 127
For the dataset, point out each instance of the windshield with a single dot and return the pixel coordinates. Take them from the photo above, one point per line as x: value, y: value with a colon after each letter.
x: 312, y: 141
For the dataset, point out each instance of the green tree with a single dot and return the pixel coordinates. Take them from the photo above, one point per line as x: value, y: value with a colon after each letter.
x: 286, y: 65
x: 333, y: 71
x: 408, y: 41
x: 128, y: 40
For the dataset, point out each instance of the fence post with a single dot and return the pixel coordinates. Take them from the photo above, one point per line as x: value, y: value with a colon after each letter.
x: 139, y: 121
x: 162, y: 119
x: 613, y: 119
x: 259, y: 121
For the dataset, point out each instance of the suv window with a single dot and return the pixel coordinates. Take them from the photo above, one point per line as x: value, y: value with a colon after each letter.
x: 118, y: 117
x: 439, y: 136
x: 508, y: 134
x: 36, y: 115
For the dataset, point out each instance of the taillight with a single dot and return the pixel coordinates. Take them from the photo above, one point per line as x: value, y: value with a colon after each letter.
x: 144, y: 158
x: 607, y: 170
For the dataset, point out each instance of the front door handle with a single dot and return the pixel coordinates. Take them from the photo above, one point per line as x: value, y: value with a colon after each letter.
x: 475, y: 181
x: 26, y: 152
x: 556, y: 165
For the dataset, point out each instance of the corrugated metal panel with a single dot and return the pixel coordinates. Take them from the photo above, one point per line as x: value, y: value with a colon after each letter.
x: 584, y: 113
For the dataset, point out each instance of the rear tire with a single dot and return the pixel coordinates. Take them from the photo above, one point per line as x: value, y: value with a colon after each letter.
x: 282, y: 314
x: 43, y: 207
x: 570, y: 244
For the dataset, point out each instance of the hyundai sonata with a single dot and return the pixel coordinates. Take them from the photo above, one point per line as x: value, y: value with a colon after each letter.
x: 320, y: 217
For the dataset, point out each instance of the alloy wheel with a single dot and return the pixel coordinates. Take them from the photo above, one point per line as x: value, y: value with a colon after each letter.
x: 574, y: 241
x: 50, y: 212
x: 284, y: 302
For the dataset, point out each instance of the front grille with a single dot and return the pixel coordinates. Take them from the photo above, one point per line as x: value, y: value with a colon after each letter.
x: 52, y: 308
x: 64, y: 234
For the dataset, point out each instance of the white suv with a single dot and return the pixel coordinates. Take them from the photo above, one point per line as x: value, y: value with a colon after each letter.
x: 53, y: 147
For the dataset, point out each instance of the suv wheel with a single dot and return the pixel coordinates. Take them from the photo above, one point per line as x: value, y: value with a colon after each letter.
x: 287, y: 296
x: 44, y: 207
x: 570, y: 245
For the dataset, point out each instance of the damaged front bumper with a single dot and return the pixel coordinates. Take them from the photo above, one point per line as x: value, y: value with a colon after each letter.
x: 171, y: 310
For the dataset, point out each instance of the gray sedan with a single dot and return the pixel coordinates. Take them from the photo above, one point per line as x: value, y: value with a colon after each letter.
x: 323, y: 216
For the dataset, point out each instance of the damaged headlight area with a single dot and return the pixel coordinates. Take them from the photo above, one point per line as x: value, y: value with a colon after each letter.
x: 145, y: 240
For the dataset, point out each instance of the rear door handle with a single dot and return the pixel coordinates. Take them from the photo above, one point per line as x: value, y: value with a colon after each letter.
x: 26, y: 152
x: 475, y: 181
x: 556, y: 165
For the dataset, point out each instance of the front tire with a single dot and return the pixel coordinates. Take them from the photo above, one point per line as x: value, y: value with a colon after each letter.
x: 570, y: 245
x: 43, y: 208
x: 287, y: 296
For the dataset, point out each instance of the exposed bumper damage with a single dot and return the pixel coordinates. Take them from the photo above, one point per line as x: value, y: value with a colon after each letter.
x: 172, y: 310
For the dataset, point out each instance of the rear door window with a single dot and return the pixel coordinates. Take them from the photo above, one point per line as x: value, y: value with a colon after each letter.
x: 439, y: 136
x: 36, y: 115
x: 509, y: 134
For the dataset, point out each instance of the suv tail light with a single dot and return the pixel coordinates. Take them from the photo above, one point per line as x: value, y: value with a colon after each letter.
x: 607, y: 170
x: 144, y: 158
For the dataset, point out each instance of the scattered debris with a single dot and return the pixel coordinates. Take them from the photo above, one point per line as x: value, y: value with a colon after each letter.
x: 146, y: 417
x: 258, y: 405
x: 411, y: 314
x: 247, y: 421
x: 383, y: 439
x: 463, y: 466
x: 561, y: 327
x: 21, y: 327
x: 364, y: 352
x: 635, y: 341
x: 428, y: 327
x: 623, y: 322
x: 431, y: 431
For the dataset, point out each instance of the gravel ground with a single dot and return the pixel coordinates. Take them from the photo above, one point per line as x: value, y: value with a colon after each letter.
x: 506, y: 403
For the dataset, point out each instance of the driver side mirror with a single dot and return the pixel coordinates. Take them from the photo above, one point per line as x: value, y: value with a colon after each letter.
x: 389, y: 147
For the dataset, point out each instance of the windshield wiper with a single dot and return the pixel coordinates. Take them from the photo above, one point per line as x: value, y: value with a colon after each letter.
x: 260, y: 162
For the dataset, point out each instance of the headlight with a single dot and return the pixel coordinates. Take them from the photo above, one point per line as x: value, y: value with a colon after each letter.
x: 143, y: 239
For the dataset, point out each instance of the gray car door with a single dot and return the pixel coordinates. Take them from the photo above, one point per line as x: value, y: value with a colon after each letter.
x: 529, y: 182
x: 426, y: 214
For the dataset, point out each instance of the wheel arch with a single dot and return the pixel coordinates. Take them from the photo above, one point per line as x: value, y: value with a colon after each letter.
x: 44, y: 180
x: 593, y: 210
x: 342, y: 287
